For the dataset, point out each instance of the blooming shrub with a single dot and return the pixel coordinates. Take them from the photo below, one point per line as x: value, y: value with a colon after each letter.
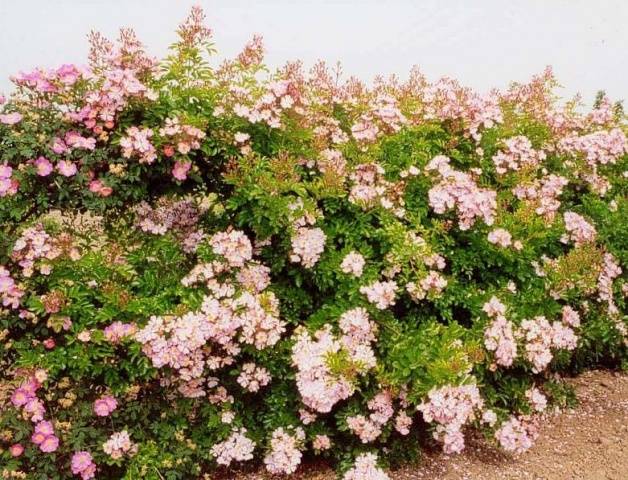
x: 208, y: 266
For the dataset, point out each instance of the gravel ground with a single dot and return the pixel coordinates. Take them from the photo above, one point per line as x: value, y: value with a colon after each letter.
x: 587, y: 443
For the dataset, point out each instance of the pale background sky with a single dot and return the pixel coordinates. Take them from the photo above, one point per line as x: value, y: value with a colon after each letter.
x: 482, y: 43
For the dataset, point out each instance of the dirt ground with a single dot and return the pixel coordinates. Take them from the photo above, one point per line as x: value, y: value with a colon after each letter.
x: 589, y: 442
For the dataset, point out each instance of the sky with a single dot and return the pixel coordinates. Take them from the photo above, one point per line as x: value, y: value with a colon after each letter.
x: 482, y: 43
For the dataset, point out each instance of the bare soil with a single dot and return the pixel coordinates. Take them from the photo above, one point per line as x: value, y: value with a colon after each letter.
x: 589, y: 442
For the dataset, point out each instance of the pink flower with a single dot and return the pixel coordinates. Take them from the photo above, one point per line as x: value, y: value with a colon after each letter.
x: 381, y: 294
x: 353, y: 263
x: 500, y: 237
x: 451, y: 408
x: 43, y: 166
x: 20, y: 397
x: 5, y: 171
x: 38, y: 437
x: 137, y: 143
x: 516, y: 435
x: 307, y: 246
x: 44, y: 427
x: 578, y: 229
x: 66, y: 168
x: 16, y: 449
x: 11, y: 118
x: 181, y: 169
x: 321, y: 442
x: 284, y: 455
x: 68, y: 74
x: 241, y: 137
x: 238, y: 447
x: 119, y: 444
x: 105, y: 405
x: 59, y: 146
x: 99, y: 188
x: 50, y: 444
x: 252, y: 377
x: 118, y: 331
x: 365, y: 468
x: 537, y: 400
x: 49, y: 343
x: 35, y: 408
x: 84, y: 336
x: 83, y: 464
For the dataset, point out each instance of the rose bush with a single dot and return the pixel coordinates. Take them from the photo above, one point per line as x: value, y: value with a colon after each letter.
x: 204, y: 264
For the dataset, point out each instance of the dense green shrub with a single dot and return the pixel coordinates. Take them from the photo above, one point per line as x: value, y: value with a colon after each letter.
x: 203, y: 265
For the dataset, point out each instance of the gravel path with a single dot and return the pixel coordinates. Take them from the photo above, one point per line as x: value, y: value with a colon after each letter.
x: 587, y: 443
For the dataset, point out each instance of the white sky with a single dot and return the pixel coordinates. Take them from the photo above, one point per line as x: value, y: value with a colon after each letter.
x: 482, y: 43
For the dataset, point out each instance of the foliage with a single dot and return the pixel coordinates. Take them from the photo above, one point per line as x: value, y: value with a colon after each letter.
x: 201, y: 266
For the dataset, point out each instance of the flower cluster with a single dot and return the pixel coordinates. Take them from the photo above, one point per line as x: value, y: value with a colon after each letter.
x: 119, y: 444
x: 500, y: 237
x: 10, y: 292
x: 25, y: 397
x: 184, y: 138
x: 451, y: 408
x: 543, y: 194
x: 380, y: 294
x: 319, y: 386
x: 432, y: 285
x: 237, y: 447
x: 457, y: 190
x: 307, y: 246
x: 353, y: 264
x: 578, y: 229
x: 540, y: 337
x: 516, y: 435
x: 369, y: 428
x: 179, y: 217
x: 105, y: 405
x: 365, y: 468
x: 537, y: 400
x: 118, y: 331
x: 370, y: 189
x: 252, y: 377
x: 82, y: 464
x: 518, y: 154
x: 285, y: 454
x: 609, y: 271
x: 137, y: 143
x: 8, y: 185
x: 498, y: 336
x: 44, y: 437
x: 230, y: 314
x: 597, y: 148
x: 34, y: 244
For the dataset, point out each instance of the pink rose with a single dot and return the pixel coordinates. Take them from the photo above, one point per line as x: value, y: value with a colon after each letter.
x: 43, y: 166
x: 50, y: 444
x: 59, y: 146
x: 16, y: 449
x: 181, y: 169
x: 38, y: 437
x: 44, y: 427
x: 105, y: 405
x: 20, y: 397
x: 66, y: 168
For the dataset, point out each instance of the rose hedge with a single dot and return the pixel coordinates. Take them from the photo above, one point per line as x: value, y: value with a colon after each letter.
x: 208, y: 264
